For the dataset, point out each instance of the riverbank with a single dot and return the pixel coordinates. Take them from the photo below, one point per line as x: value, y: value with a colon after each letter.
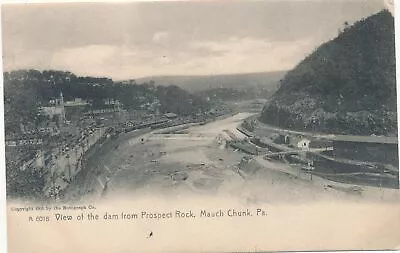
x: 196, y: 161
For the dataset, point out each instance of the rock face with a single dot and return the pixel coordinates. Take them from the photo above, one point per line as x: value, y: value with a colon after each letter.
x: 347, y: 85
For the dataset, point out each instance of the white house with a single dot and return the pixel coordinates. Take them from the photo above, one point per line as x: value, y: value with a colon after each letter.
x: 304, y: 143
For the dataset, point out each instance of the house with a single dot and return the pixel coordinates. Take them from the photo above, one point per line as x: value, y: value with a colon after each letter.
x: 304, y: 144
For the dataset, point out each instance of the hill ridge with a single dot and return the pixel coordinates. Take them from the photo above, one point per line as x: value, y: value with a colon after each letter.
x: 347, y: 85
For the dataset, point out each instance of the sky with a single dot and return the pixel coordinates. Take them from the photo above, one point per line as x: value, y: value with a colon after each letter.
x: 136, y: 39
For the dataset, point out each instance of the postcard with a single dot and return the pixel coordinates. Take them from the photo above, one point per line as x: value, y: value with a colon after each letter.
x: 200, y: 126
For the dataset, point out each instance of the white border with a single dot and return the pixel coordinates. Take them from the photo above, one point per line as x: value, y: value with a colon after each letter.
x: 3, y: 206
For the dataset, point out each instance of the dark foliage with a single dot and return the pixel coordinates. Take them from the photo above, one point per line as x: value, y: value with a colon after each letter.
x: 26, y: 184
x: 347, y: 85
x: 26, y: 90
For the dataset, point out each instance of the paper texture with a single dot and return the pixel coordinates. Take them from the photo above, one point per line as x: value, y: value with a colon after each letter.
x: 201, y: 126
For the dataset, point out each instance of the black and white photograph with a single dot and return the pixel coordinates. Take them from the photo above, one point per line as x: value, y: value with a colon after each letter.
x: 277, y: 103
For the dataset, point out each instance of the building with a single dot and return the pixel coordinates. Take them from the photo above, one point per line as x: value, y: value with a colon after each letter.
x: 304, y: 144
x: 103, y: 110
x: 63, y: 109
x: 24, y: 142
x: 77, y: 102
x: 107, y: 108
x: 56, y: 108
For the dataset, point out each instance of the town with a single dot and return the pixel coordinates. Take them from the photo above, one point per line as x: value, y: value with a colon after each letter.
x: 58, y: 149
